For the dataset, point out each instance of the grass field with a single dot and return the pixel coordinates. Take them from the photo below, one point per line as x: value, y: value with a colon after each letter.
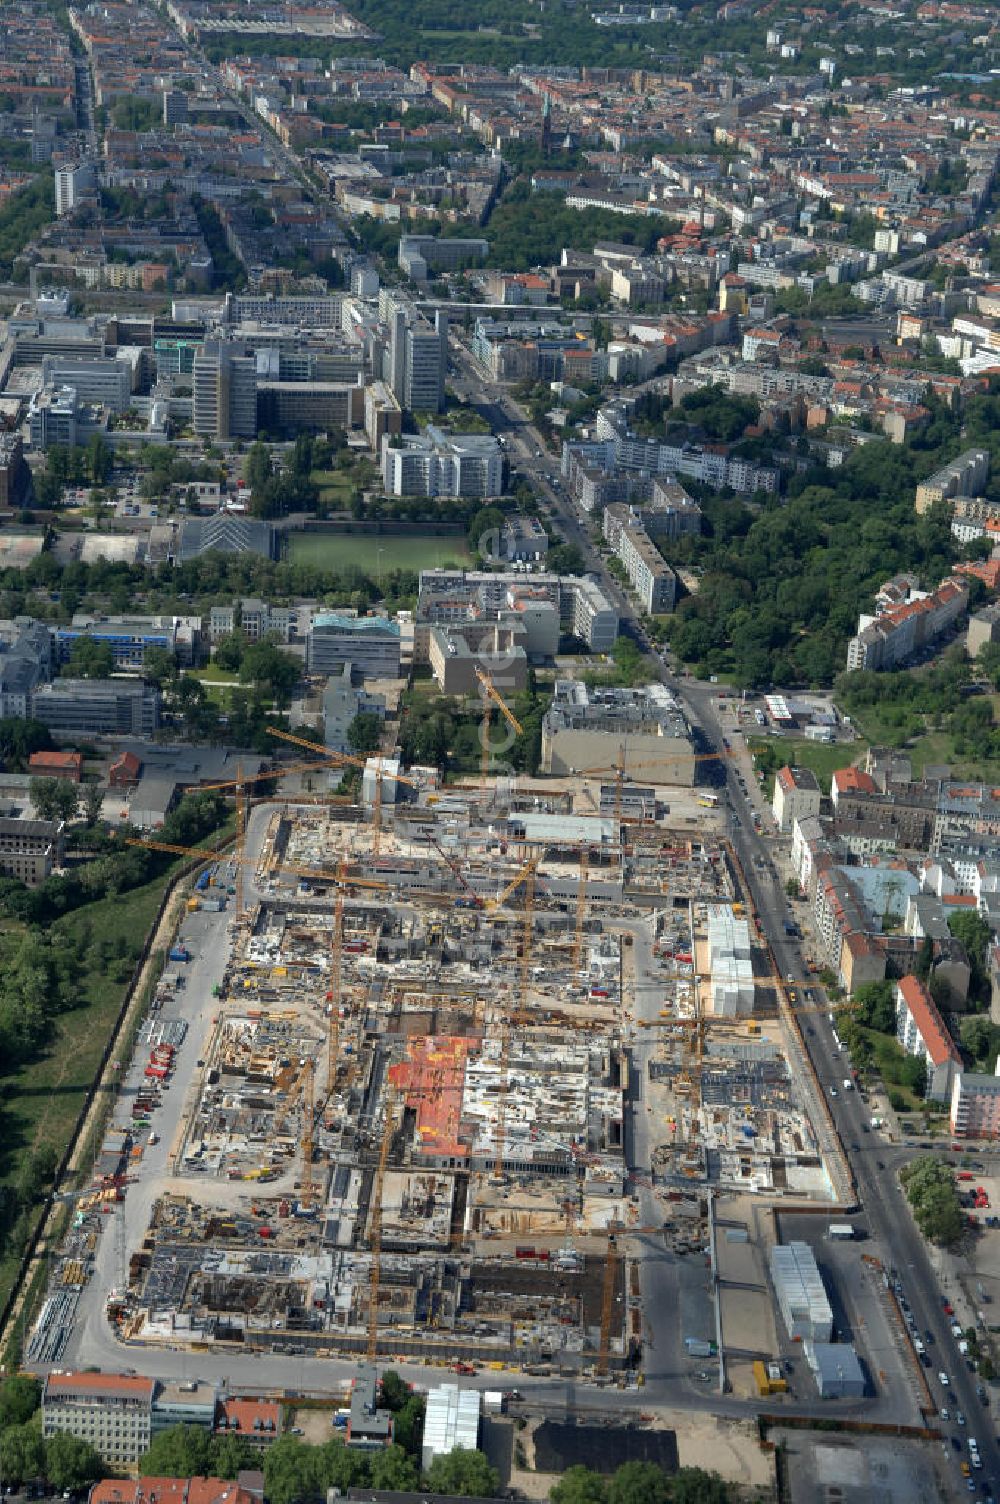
x: 821, y: 759
x: 43, y: 1099
x: 371, y: 552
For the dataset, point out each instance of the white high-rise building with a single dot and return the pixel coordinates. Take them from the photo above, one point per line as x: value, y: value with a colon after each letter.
x: 225, y: 391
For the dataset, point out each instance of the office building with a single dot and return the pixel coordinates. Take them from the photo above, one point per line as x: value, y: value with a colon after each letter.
x: 292, y: 407
x: 370, y: 644
x: 418, y: 358
x: 107, y: 383
x: 451, y: 1420
x: 523, y: 540
x: 800, y: 1292
x: 921, y: 1031
x: 97, y: 707
x: 419, y: 254
x: 29, y: 849
x: 24, y: 665
x: 113, y: 1412
x: 225, y: 391
x: 185, y: 1404
x: 595, y: 727
x: 796, y: 797
x: 129, y: 638
x: 435, y: 463
x: 975, y: 1104
x: 729, y: 963
x: 651, y: 578
x: 53, y: 418
x: 495, y: 647
x: 75, y: 181
x: 14, y: 474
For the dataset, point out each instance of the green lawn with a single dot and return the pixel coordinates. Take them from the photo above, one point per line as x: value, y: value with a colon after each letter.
x: 43, y: 1099
x: 369, y: 551
x: 820, y: 758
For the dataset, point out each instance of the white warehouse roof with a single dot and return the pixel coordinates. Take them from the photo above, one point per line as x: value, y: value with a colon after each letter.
x: 451, y: 1420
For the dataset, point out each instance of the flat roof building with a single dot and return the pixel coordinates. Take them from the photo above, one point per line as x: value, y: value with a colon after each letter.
x: 732, y: 987
x: 451, y: 1420
x: 975, y: 1104
x: 800, y: 1292
x: 591, y: 728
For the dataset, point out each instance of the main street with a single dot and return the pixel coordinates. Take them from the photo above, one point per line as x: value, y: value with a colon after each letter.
x: 873, y: 1165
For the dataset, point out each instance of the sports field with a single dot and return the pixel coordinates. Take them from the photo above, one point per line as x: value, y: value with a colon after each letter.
x: 372, y: 552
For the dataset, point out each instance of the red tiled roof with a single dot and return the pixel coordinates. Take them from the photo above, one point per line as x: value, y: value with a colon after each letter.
x: 97, y: 1384
x: 930, y: 1025
x: 846, y: 779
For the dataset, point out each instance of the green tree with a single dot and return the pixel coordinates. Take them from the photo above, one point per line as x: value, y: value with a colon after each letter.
x: 22, y: 1454
x: 230, y: 1454
x: 229, y: 651
x: 292, y: 1472
x: 71, y: 1463
x: 257, y: 469
x: 579, y: 1485
x: 462, y: 1471
x: 930, y: 1189
x: 639, y: 1483
x: 178, y: 1452
x: 20, y: 1397
x: 393, y: 1467
x: 409, y: 1425
x: 365, y: 732
x: 159, y: 666
x: 93, y: 801
x: 53, y: 798
x: 393, y: 1391
x: 264, y: 664
x: 975, y: 934
x: 876, y: 1007
x: 693, y: 1485
x: 90, y: 659
x: 100, y: 459
x: 484, y: 534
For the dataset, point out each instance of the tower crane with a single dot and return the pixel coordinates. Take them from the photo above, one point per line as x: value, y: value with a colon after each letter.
x: 311, y: 874
x: 491, y: 697
x: 347, y: 760
x: 375, y: 1224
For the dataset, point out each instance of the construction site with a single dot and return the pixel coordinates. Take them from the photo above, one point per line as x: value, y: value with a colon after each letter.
x: 426, y: 1024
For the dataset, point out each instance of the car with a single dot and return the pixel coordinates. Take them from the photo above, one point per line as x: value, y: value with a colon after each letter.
x: 943, y: 1380
x: 971, y: 1485
x: 959, y: 1418
x: 833, y: 1091
x: 944, y: 1413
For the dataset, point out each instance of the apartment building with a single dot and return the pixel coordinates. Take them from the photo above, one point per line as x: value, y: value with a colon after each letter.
x: 964, y: 476
x: 419, y: 254
x: 588, y: 614
x: 975, y: 1104
x: 898, y: 631
x: 650, y: 576
x: 921, y: 1031
x: 796, y: 797
x: 435, y: 463
x: 418, y: 357
x: 111, y: 1411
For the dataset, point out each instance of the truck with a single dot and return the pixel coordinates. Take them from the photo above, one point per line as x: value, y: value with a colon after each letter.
x: 840, y: 1231
x: 179, y: 953
x: 697, y: 1347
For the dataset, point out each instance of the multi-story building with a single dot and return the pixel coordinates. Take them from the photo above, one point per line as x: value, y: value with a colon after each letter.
x: 964, y: 476
x: 129, y: 638
x: 225, y: 391
x: 13, y: 471
x: 921, y: 1031
x: 343, y: 702
x: 729, y: 963
x: 29, y: 849
x: 523, y: 540
x: 53, y: 414
x: 801, y: 1294
x: 370, y: 644
x: 899, y: 630
x: 588, y: 614
x: 98, y: 707
x: 291, y: 407
x: 796, y: 797
x: 650, y: 576
x: 419, y: 254
x: 105, y: 382
x: 975, y: 1104
x: 113, y: 1412
x: 418, y: 358
x: 435, y: 463
x: 75, y: 181
x: 495, y: 647
x: 321, y: 311
x: 598, y: 728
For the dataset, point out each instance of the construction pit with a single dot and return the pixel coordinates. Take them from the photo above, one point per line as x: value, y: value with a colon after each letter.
x: 406, y: 1133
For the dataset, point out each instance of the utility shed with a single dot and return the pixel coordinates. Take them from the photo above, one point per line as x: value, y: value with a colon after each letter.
x: 801, y: 1295
x: 836, y: 1369
x: 451, y: 1420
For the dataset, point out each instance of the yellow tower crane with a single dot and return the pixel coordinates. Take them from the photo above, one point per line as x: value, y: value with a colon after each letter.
x: 491, y: 697
x: 345, y: 759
